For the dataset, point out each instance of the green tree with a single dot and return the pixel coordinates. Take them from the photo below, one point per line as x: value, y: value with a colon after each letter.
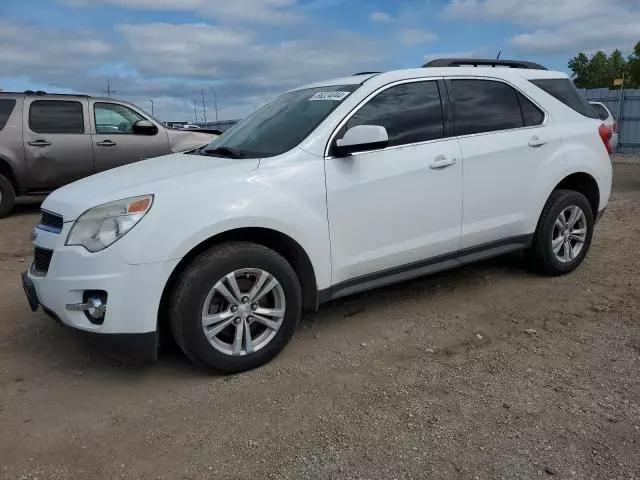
x: 601, y: 69
x: 634, y: 66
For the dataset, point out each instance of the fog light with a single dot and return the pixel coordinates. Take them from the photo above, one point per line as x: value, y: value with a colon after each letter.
x: 94, y: 306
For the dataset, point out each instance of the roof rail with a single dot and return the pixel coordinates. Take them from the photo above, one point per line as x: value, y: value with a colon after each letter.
x: 365, y: 73
x: 482, y: 62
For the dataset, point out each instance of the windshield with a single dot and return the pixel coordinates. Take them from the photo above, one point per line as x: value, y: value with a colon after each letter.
x: 281, y: 124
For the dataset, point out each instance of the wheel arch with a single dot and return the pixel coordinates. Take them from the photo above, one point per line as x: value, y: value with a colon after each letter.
x: 277, y: 241
x: 586, y: 185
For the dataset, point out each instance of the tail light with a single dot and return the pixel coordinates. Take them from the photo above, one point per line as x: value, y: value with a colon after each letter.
x: 605, y: 134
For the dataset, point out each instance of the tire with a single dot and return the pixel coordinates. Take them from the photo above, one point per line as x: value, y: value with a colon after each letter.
x: 197, y: 294
x: 7, y: 196
x: 541, y: 255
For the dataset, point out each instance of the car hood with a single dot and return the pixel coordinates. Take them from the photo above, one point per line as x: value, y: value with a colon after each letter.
x: 151, y: 176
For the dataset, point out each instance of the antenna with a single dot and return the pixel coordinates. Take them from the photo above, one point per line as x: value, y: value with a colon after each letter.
x: 499, y: 53
x: 108, y: 91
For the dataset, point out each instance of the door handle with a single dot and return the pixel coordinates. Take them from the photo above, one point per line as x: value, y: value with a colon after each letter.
x: 40, y: 143
x: 536, y: 141
x: 106, y: 143
x: 441, y: 161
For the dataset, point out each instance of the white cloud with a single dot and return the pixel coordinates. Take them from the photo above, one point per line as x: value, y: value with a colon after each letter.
x: 585, y: 35
x: 540, y: 12
x: 26, y: 49
x: 416, y: 36
x: 258, y: 11
x: 380, y: 17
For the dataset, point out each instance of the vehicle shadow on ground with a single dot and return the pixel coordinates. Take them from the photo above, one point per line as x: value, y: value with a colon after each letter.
x: 74, y: 351
x: 26, y: 206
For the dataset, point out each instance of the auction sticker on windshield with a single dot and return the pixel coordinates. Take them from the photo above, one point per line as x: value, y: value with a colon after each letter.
x: 329, y: 96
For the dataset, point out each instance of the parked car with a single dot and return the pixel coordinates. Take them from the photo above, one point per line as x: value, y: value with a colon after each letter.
x: 47, y: 141
x: 607, y: 118
x: 330, y: 189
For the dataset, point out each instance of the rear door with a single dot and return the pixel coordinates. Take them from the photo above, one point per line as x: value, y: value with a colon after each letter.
x: 57, y: 143
x: 114, y: 141
x: 509, y: 148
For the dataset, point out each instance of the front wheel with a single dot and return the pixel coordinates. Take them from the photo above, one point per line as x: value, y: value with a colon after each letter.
x: 563, y: 236
x: 235, y: 307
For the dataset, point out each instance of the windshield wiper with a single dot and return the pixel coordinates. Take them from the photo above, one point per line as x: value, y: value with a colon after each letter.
x: 222, y: 152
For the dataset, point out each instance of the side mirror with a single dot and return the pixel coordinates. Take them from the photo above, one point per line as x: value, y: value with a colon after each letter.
x: 360, y: 138
x: 144, y: 127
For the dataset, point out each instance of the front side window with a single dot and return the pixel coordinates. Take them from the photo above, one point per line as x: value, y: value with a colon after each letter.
x: 56, y: 116
x: 485, y: 106
x: 114, y: 118
x: 6, y: 107
x: 281, y: 124
x: 411, y: 113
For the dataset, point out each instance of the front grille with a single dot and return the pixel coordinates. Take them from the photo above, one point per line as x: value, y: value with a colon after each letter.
x: 41, y: 260
x: 51, y: 221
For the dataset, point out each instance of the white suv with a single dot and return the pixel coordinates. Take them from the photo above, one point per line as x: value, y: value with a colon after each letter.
x: 330, y: 189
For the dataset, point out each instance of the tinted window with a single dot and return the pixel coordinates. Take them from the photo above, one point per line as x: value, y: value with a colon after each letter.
x: 531, y: 115
x: 601, y: 111
x: 114, y: 118
x: 282, y: 123
x: 485, y: 106
x: 6, y: 107
x: 55, y: 116
x: 411, y: 113
x: 564, y: 90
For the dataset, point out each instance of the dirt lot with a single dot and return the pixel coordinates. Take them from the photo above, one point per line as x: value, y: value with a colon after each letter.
x: 436, y: 378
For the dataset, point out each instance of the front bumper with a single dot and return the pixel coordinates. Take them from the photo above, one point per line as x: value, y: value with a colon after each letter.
x: 133, y: 291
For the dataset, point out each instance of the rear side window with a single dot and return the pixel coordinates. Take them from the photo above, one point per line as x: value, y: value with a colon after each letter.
x: 485, y: 106
x: 564, y: 90
x: 601, y: 111
x: 410, y: 112
x: 56, y: 116
x: 531, y: 115
x: 6, y: 107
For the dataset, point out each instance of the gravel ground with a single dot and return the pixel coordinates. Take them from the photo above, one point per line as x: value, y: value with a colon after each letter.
x: 481, y: 373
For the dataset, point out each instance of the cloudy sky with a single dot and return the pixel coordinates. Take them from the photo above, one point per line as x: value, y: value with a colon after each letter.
x: 250, y: 50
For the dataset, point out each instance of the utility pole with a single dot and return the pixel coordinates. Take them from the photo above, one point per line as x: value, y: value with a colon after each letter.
x: 204, y: 107
x: 151, y: 100
x: 108, y: 91
x: 215, y: 102
x: 195, y: 111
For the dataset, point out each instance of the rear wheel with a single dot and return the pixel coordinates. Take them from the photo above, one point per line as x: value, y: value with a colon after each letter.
x: 235, y: 307
x: 7, y: 196
x: 563, y: 235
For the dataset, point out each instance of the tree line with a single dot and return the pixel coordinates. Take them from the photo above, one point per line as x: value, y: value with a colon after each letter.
x: 601, y: 69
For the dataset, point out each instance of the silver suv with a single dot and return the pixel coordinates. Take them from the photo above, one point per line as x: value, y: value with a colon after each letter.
x: 47, y: 140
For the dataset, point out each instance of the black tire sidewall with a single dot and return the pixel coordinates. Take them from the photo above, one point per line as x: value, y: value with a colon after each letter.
x: 567, y: 200
x: 200, y: 278
x: 8, y: 196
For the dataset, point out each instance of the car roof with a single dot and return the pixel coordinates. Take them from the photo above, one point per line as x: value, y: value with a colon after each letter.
x: 481, y: 71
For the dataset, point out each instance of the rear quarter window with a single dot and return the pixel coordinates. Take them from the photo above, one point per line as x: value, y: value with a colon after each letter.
x: 601, y: 111
x: 6, y: 107
x: 564, y: 90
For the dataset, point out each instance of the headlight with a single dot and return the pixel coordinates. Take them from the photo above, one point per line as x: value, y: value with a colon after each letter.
x: 101, y: 226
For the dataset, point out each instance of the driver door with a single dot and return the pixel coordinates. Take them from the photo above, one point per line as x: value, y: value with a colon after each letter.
x: 397, y: 211
x: 114, y: 141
